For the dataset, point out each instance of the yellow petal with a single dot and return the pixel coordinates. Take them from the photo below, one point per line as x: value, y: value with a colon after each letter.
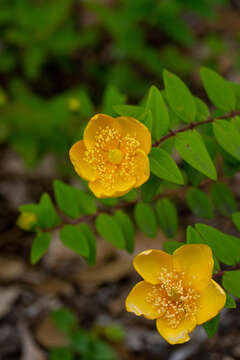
x: 77, y: 155
x: 120, y: 189
x: 142, y: 168
x: 212, y: 300
x: 178, y: 335
x: 151, y: 263
x: 136, y: 301
x: 196, y: 261
x: 137, y: 130
x: 95, y: 124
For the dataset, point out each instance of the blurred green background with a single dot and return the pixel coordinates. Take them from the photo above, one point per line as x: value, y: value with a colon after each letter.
x: 63, y: 60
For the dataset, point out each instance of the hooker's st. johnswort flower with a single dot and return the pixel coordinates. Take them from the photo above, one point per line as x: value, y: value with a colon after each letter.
x: 112, y: 156
x: 177, y: 290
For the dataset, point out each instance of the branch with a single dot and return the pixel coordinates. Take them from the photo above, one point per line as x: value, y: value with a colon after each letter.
x: 221, y: 273
x: 194, y: 125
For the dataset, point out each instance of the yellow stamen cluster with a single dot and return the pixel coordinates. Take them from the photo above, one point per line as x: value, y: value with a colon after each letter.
x: 112, y: 156
x: 173, y: 299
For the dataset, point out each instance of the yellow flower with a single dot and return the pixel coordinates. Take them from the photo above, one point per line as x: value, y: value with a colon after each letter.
x: 177, y: 290
x: 74, y: 104
x: 112, y: 156
x: 26, y: 220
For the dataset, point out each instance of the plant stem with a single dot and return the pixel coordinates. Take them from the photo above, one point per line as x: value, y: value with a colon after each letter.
x: 221, y: 273
x: 194, y: 125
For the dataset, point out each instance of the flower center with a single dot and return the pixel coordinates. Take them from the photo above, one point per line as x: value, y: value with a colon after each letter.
x: 108, y: 152
x: 115, y: 156
x: 172, y: 300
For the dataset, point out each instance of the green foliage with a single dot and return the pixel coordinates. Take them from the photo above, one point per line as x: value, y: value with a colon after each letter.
x: 231, y: 281
x: 199, y: 203
x: 81, y: 343
x: 225, y: 247
x: 72, y: 237
x: 228, y: 137
x: 167, y: 216
x: 236, y: 219
x: 211, y: 326
x: 146, y: 219
x: 127, y: 228
x: 62, y: 353
x: 223, y: 199
x: 150, y: 188
x: 191, y: 148
x: 171, y: 246
x: 111, y: 230
x: 179, y: 97
x: 73, y: 202
x: 163, y: 166
x: 39, y: 246
x: 218, y: 89
x: 230, y: 302
x: 160, y: 118
x: 65, y: 320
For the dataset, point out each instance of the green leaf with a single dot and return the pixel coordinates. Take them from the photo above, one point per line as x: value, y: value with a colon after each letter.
x: 39, y: 247
x: 223, y: 199
x: 171, y: 246
x: 64, y: 319
x: 114, y: 333
x: 160, y: 118
x: 163, y: 166
x: 218, y: 89
x: 109, y: 201
x: 230, y: 302
x: 202, y: 109
x: 73, y: 202
x: 236, y: 90
x: 236, y: 219
x: 194, y: 176
x: 131, y: 196
x: 47, y: 215
x: 231, y: 281
x: 127, y: 228
x: 225, y: 247
x: 147, y: 119
x: 228, y: 137
x: 146, y: 219
x: 199, y: 203
x: 61, y: 353
x: 65, y: 199
x: 80, y: 342
x: 167, y: 216
x: 101, y: 351
x: 150, y: 188
x: 110, y: 230
x: 129, y: 110
x: 73, y: 238
x: 191, y: 148
x: 112, y: 96
x: 193, y: 237
x: 211, y: 326
x: 179, y: 97
x: 90, y: 237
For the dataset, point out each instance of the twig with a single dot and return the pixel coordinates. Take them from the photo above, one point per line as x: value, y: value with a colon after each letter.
x: 194, y: 125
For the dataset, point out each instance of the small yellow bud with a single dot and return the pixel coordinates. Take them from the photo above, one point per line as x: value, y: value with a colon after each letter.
x: 74, y: 104
x: 26, y: 220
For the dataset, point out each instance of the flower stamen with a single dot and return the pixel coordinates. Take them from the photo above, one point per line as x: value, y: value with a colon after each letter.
x: 172, y: 298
